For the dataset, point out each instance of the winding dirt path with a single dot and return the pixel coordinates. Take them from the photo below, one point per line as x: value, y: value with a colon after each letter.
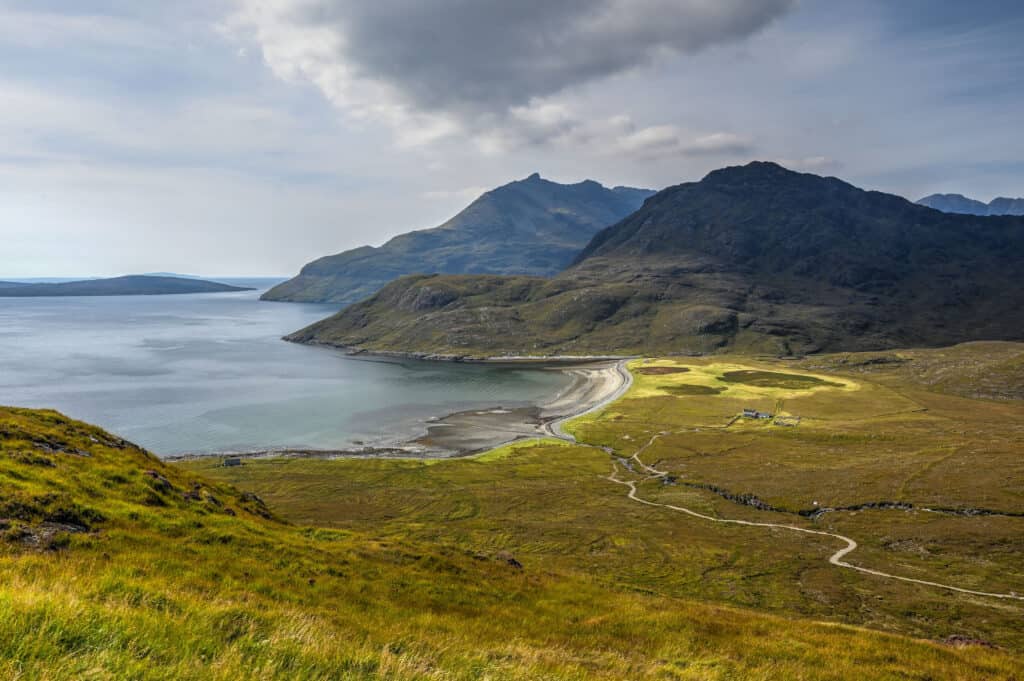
x: 554, y: 429
x: 835, y: 559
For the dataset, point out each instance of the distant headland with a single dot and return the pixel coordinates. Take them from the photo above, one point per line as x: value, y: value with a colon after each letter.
x: 133, y: 285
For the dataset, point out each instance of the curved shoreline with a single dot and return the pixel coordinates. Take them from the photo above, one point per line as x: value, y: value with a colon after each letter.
x: 554, y: 428
x: 595, y: 385
x: 357, y: 353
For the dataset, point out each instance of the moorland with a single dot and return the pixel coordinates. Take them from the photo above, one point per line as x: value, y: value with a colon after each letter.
x: 531, y: 561
x: 912, y: 454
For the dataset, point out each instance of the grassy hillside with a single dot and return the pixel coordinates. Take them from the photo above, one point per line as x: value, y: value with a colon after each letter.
x: 754, y: 259
x: 116, y: 565
x: 532, y: 226
x: 926, y: 481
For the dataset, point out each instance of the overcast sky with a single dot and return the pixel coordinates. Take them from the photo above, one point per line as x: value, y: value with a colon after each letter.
x: 246, y: 137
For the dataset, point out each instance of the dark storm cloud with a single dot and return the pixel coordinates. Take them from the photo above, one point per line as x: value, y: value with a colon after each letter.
x: 493, y: 54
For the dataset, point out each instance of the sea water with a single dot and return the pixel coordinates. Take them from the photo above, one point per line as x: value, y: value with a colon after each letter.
x: 209, y: 373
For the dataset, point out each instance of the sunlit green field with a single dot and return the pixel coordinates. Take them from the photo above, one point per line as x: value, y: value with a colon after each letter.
x: 865, y: 437
x: 528, y: 562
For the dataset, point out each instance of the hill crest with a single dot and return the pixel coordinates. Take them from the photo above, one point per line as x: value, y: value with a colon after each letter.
x: 958, y: 203
x: 531, y: 226
x: 755, y: 258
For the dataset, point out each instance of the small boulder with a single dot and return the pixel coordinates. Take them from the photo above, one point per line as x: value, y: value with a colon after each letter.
x: 510, y: 560
x: 158, y: 481
x: 961, y: 641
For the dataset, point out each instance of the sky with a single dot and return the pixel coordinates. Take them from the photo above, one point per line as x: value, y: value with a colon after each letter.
x: 247, y: 137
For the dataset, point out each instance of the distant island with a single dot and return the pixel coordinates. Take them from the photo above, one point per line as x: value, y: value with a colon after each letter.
x: 958, y: 203
x: 532, y: 226
x: 135, y: 285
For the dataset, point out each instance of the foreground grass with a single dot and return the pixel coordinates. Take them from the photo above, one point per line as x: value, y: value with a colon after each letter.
x: 116, y: 566
x: 524, y: 562
x: 866, y: 435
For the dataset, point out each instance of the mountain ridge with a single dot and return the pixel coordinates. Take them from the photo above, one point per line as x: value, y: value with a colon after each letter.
x: 754, y: 258
x: 958, y: 203
x: 531, y: 226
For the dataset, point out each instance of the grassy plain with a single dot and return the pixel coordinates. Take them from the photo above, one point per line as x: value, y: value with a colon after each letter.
x: 115, y: 565
x: 869, y: 435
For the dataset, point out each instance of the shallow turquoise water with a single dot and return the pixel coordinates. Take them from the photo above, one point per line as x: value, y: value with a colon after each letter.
x: 209, y: 373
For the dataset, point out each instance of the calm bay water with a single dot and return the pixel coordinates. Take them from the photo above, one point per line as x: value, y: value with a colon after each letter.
x: 208, y: 373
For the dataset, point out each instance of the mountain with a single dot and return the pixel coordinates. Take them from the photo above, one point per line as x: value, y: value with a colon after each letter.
x: 755, y: 258
x: 533, y: 226
x: 135, y: 285
x: 249, y: 282
x: 176, y: 275
x: 957, y: 203
x: 1005, y: 206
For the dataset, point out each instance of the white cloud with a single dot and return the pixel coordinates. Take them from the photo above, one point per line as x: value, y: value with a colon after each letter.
x: 489, y: 70
x: 668, y: 140
x: 718, y: 143
x: 545, y: 123
x: 815, y: 164
x: 465, y: 194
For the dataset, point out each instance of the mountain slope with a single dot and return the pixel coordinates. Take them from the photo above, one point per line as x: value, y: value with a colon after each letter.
x: 957, y: 203
x: 532, y: 226
x: 757, y: 257
x: 1006, y: 206
x: 135, y: 285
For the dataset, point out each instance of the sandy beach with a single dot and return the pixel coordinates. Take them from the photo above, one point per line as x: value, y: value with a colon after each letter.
x: 593, y: 386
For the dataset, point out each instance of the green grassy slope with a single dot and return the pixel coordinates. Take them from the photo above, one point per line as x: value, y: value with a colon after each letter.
x: 867, y: 440
x: 115, y: 565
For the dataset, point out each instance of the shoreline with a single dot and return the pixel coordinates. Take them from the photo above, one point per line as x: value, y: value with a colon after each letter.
x: 594, y: 385
x: 357, y: 353
x: 625, y: 381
